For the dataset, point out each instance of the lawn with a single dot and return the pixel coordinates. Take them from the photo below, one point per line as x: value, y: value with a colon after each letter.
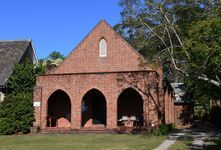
x: 80, y: 141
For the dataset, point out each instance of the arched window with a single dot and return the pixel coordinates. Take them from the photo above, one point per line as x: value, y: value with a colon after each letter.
x: 103, y: 48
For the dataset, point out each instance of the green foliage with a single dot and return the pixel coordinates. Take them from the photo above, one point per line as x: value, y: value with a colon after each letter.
x: 143, y: 22
x: 40, y: 67
x: 203, y: 44
x: 163, y: 129
x: 16, y: 113
x: 183, y: 35
x: 53, y: 60
x: 201, y: 109
x: 22, y: 78
x: 214, y: 116
x: 56, y: 55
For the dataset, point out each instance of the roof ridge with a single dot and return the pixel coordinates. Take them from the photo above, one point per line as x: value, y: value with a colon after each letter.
x: 29, y: 40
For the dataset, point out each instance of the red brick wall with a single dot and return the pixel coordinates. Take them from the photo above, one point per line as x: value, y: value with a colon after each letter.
x: 37, y: 98
x: 84, y: 70
x: 63, y: 123
x: 183, y: 114
x: 85, y: 58
x: 110, y: 84
x: 169, y: 106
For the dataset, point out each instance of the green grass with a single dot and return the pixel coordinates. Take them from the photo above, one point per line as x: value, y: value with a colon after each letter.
x: 80, y: 141
x: 182, y: 144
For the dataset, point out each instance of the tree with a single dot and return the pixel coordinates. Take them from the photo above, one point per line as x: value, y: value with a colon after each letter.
x: 160, y: 29
x: 203, y: 44
x: 16, y: 111
x: 40, y: 67
x: 53, y: 60
x: 22, y: 78
x: 56, y: 55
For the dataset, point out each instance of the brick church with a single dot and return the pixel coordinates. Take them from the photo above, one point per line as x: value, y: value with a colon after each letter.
x: 103, y: 85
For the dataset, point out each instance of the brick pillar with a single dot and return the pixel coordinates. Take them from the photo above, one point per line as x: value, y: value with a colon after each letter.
x: 172, y: 109
x: 154, y: 108
x: 44, y: 108
x: 37, y: 99
x: 146, y: 111
x: 111, y: 112
x: 76, y: 111
x: 169, y: 107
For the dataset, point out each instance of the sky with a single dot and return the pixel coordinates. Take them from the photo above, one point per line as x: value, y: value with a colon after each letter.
x: 54, y: 25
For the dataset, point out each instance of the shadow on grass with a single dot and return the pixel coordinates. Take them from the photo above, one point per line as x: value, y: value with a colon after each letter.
x: 213, y: 144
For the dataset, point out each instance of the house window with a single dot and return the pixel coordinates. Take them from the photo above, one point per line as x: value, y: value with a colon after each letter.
x: 103, y: 48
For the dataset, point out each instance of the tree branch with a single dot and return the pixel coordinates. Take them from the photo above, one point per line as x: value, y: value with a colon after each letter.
x: 214, y: 82
x: 152, y: 30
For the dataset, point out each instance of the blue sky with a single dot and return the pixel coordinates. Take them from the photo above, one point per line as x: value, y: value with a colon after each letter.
x: 54, y: 24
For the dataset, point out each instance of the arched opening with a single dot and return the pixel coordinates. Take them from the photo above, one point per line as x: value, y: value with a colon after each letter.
x: 130, y: 108
x: 93, y: 109
x: 59, y: 110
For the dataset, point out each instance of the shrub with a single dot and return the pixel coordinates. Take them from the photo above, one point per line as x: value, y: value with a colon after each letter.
x: 16, y: 113
x: 163, y: 129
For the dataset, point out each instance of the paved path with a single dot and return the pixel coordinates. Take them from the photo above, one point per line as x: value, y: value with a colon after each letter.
x: 171, y: 139
x: 198, y: 140
x: 199, y: 136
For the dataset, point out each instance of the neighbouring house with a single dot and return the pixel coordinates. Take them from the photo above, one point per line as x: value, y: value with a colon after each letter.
x: 180, y: 109
x: 12, y: 52
x: 103, y: 85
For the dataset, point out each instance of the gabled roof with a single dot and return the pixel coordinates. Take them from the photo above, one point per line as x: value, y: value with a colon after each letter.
x: 85, y: 51
x: 11, y: 52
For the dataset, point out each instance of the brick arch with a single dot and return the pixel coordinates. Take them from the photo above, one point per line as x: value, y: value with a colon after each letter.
x: 100, y: 89
x: 130, y: 105
x: 93, y: 109
x: 59, y: 109
x: 57, y: 89
x: 102, y: 37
